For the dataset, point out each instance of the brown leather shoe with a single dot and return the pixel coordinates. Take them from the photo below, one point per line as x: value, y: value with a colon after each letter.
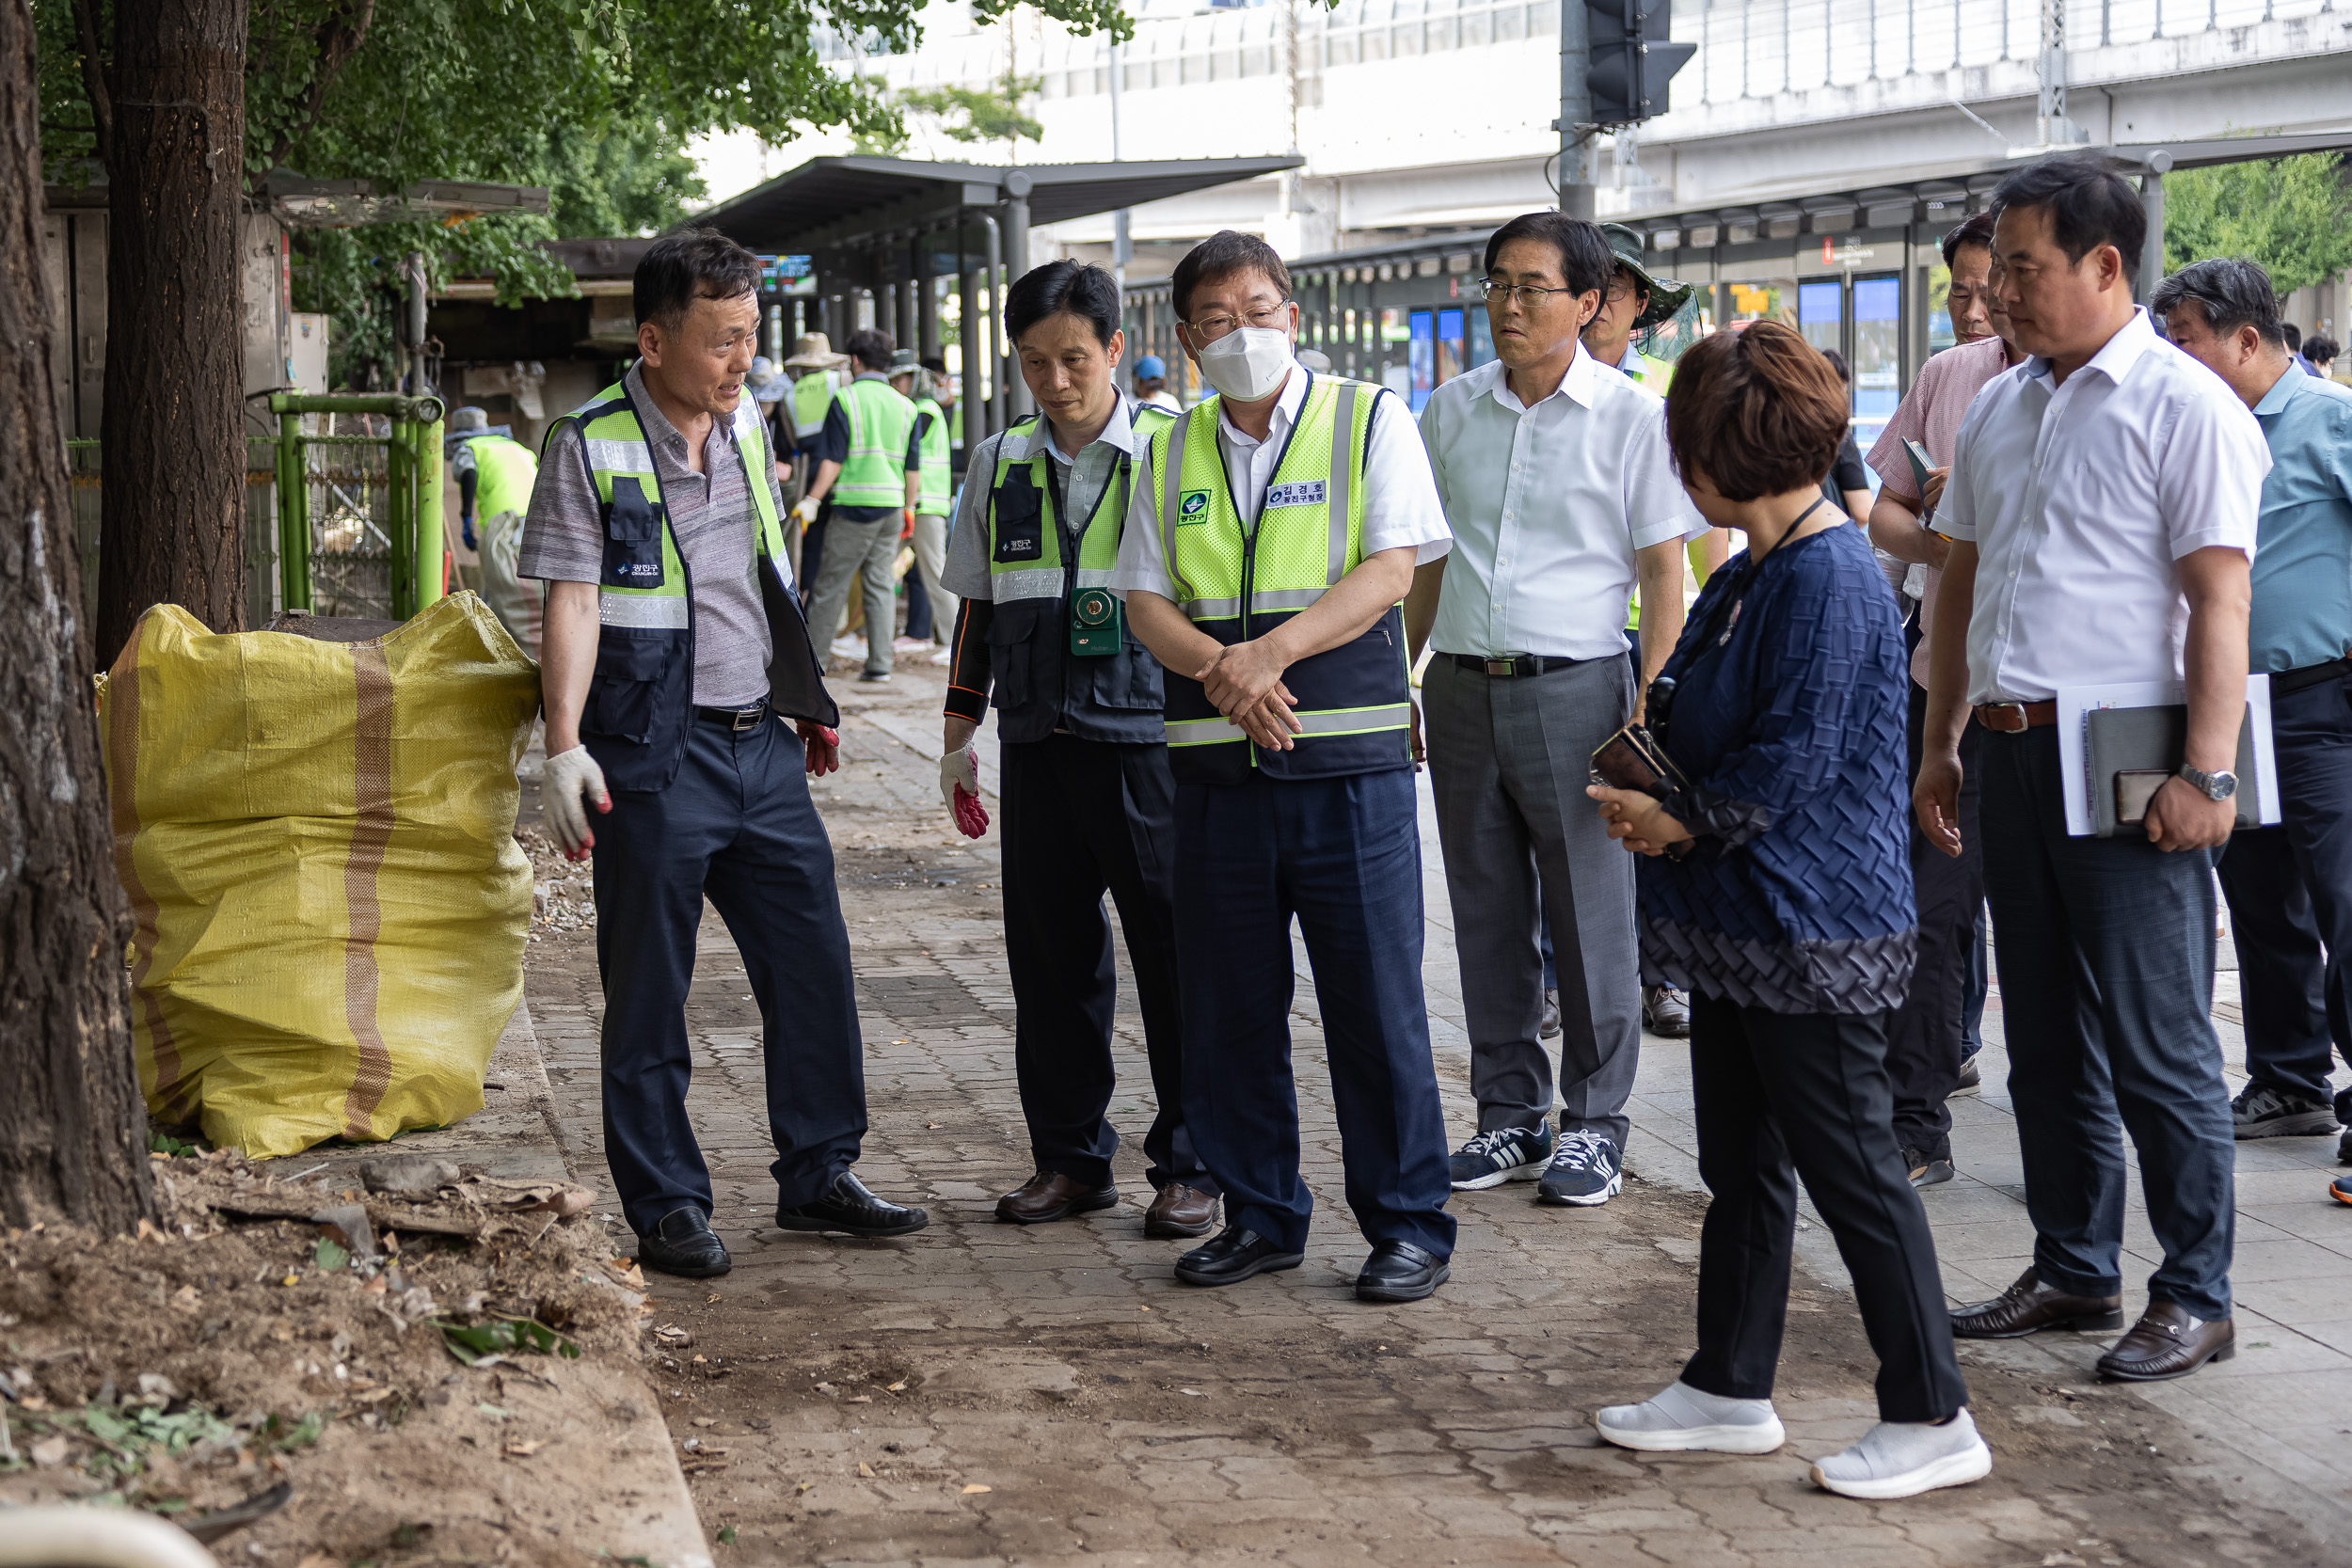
x: 2025, y: 1308
x: 1180, y: 1210
x: 1051, y: 1195
x: 2168, y: 1342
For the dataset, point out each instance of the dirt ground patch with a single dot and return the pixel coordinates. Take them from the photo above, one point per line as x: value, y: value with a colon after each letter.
x: 214, y: 1358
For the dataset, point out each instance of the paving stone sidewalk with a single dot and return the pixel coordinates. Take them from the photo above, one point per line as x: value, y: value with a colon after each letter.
x: 986, y: 1394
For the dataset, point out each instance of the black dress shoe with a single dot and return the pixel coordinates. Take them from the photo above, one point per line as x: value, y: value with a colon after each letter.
x: 1232, y: 1256
x: 682, y: 1244
x: 1399, y: 1271
x: 849, y: 1208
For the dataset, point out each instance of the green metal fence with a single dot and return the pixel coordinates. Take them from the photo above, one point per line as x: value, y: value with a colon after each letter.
x: 359, y: 525
x: 338, y: 516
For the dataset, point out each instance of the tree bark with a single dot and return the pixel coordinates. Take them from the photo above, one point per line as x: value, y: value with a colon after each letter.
x: 73, y: 1130
x: 172, y: 526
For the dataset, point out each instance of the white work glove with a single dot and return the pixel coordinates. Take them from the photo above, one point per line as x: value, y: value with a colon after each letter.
x: 572, y: 778
x: 806, y: 510
x: 960, y: 787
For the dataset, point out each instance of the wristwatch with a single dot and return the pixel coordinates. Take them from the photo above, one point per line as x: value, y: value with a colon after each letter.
x: 2217, y: 786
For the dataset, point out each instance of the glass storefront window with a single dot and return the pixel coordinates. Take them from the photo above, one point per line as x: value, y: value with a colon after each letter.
x: 1450, y: 345
x: 1482, y: 339
x: 1821, y: 313
x: 1420, y: 356
x: 1760, y: 299
x: 1877, y: 354
x: 1940, y: 332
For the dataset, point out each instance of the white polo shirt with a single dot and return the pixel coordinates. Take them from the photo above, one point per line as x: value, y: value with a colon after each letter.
x: 1548, y: 505
x: 2079, y: 499
x: 1400, y: 502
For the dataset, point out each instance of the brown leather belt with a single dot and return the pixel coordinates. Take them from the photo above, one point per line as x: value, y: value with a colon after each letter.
x: 2011, y: 717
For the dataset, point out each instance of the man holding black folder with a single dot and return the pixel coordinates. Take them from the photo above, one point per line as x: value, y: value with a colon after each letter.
x: 2101, y: 503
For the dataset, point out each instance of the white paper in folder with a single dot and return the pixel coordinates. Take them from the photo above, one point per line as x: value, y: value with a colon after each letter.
x: 2075, y: 703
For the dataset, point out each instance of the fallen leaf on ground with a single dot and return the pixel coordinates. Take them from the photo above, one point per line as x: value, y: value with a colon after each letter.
x: 524, y: 1450
x: 859, y: 1399
x: 975, y: 1489
x: 865, y: 1469
x: 897, y: 1387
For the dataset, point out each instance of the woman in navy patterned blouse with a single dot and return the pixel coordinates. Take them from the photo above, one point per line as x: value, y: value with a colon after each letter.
x: 1777, y: 890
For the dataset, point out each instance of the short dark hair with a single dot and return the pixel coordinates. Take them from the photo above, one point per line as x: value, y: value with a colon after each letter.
x: 1081, y: 287
x: 1220, y: 256
x: 2228, y: 293
x: 1838, y: 363
x: 694, y: 264
x: 2320, y: 349
x: 1975, y: 230
x: 872, y: 349
x: 2292, y: 335
x: 2090, y: 205
x: 1758, y: 411
x: 936, y: 364
x: 1586, y: 262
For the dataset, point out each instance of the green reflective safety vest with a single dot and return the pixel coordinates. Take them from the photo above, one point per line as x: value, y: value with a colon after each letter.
x: 1036, y: 685
x: 812, y: 395
x: 1238, y: 583
x: 504, y: 473
x: 1655, y: 374
x: 939, y: 486
x: 641, y: 699
x: 881, y: 418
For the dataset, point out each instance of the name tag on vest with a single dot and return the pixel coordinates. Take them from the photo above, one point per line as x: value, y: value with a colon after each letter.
x: 1303, y: 492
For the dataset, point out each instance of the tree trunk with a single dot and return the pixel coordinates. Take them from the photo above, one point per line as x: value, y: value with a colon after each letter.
x: 173, y: 452
x: 73, y: 1131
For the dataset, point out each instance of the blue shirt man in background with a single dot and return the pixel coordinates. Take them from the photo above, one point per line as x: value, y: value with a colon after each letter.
x: 2289, y: 886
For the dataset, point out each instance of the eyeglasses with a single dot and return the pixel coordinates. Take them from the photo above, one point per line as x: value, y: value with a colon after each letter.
x: 1209, y: 329
x: 1528, y: 294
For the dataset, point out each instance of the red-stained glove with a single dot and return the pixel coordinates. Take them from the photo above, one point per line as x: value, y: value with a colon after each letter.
x: 823, y: 745
x: 960, y: 787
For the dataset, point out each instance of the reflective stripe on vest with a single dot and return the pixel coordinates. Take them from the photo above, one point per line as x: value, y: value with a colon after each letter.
x: 881, y: 419
x: 812, y: 395
x: 1237, y: 580
x: 938, y: 483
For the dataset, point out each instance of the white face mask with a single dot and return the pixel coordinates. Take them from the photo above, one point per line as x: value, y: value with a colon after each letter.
x: 1248, y: 364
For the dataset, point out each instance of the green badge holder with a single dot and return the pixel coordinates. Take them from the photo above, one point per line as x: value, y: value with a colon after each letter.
x: 1094, y: 622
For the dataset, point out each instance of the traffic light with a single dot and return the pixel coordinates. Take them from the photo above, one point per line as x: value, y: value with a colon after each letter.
x: 1630, y: 60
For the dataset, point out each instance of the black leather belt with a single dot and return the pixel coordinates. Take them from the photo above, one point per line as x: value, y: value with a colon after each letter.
x: 1520, y: 664
x: 736, y: 719
x: 2310, y: 674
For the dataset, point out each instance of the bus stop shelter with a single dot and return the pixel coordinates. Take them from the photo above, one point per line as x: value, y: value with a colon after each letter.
x: 894, y: 229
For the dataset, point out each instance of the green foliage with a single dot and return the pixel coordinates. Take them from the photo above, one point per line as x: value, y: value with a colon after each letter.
x: 979, y: 114
x: 593, y: 99
x: 2293, y: 215
x: 478, y: 1342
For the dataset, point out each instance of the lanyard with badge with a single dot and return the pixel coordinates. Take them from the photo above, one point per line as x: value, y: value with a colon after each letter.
x: 1095, y: 615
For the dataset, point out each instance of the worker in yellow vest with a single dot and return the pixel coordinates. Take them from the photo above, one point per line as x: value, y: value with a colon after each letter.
x: 495, y: 475
x: 912, y: 381
x: 1271, y: 541
x: 811, y: 376
x: 870, y: 466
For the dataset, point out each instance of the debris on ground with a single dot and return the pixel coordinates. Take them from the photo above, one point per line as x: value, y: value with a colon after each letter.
x: 333, y: 1376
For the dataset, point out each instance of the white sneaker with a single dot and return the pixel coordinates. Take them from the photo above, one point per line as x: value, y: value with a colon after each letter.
x: 1683, y: 1418
x: 1903, y: 1459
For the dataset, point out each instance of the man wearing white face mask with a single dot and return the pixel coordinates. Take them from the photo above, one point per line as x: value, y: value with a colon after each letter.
x: 1268, y: 547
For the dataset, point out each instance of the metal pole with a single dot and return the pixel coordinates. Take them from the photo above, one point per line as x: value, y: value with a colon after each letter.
x: 968, y: 330
x: 1576, y: 113
x: 926, y: 301
x: 992, y: 252
x: 2151, y: 203
x: 294, y: 513
x: 417, y: 386
x: 430, y: 545
x: 1123, y: 237
x: 1017, y: 188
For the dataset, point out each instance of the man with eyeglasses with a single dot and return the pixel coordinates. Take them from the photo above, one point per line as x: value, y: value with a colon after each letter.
x: 1556, y: 481
x: 1267, y: 551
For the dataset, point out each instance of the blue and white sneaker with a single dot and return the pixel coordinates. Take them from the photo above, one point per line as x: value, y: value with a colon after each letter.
x: 1506, y: 1154
x: 1586, y: 1171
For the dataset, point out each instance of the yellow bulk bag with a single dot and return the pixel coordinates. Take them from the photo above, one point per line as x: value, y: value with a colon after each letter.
x: 330, y: 906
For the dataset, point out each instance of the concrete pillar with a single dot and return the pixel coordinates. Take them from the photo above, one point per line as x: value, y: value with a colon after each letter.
x: 968, y: 298
x: 910, y: 311
x: 925, y: 300
x: 994, y: 272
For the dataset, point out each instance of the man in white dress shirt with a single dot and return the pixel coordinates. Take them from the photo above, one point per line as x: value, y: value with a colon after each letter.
x: 2101, y: 503
x: 1561, y: 493
x: 1270, y: 542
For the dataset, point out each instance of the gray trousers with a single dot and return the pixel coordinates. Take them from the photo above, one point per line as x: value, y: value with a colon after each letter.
x: 1510, y: 758
x: 855, y: 550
